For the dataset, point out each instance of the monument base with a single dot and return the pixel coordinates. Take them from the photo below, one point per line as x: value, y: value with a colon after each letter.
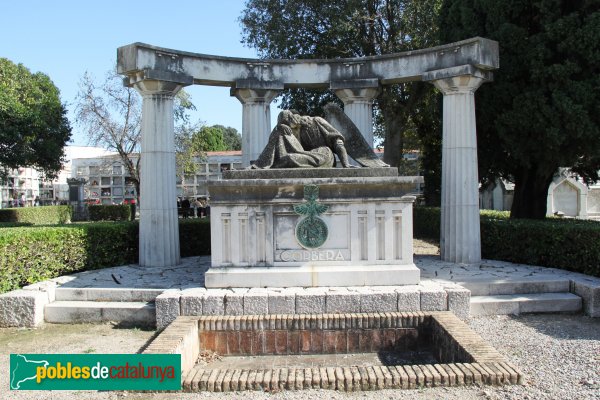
x: 315, y: 227
x: 313, y: 276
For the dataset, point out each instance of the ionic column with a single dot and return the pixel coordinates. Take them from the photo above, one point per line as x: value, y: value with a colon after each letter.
x: 460, y: 238
x: 159, y: 225
x: 358, y: 105
x: 256, y: 120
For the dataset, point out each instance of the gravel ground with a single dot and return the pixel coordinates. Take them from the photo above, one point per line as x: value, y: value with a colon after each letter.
x: 426, y: 247
x: 560, y: 354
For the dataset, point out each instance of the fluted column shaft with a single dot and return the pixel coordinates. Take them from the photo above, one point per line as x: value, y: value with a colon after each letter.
x: 460, y: 238
x: 358, y: 106
x: 159, y: 225
x: 256, y: 120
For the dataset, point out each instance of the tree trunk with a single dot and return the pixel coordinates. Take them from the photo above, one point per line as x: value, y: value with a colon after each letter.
x: 392, y: 153
x: 531, y: 193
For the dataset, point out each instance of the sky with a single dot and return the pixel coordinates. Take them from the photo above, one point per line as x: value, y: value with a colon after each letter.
x: 64, y: 39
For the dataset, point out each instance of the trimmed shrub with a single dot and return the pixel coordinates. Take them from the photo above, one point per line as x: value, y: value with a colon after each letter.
x: 573, y: 245
x: 568, y: 244
x: 32, y: 254
x: 426, y: 222
x: 194, y: 237
x: 101, y: 212
x: 45, y: 215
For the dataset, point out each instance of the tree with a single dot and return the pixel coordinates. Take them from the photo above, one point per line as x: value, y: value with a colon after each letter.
x: 192, y: 142
x: 33, y: 125
x: 346, y: 28
x: 111, y: 114
x: 209, y: 138
x: 231, y: 137
x: 542, y: 111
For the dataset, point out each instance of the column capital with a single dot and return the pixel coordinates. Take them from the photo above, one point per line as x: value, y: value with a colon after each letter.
x: 357, y: 95
x: 254, y: 96
x: 152, y: 82
x: 456, y: 80
x: 356, y: 91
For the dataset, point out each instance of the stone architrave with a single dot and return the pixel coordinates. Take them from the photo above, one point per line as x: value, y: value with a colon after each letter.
x: 256, y: 120
x: 358, y: 103
x: 159, y: 225
x: 460, y: 237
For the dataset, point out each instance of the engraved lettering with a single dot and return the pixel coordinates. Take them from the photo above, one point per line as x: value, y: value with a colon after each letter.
x: 311, y: 255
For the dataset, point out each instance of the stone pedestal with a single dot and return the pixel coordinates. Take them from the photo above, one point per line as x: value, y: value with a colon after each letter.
x: 366, y: 228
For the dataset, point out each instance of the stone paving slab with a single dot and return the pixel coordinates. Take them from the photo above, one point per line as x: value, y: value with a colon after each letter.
x: 190, y: 274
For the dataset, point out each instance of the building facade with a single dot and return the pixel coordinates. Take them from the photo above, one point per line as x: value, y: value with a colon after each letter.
x: 108, y: 181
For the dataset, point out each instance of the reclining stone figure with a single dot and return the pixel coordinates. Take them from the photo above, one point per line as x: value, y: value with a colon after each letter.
x: 312, y: 142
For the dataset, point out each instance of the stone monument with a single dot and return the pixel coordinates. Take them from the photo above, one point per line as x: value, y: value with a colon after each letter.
x: 293, y: 220
x: 456, y: 69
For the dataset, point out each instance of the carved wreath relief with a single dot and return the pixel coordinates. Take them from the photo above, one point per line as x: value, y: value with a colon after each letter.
x: 311, y: 231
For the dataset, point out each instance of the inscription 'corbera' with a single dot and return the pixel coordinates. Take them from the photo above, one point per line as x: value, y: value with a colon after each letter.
x: 312, y: 255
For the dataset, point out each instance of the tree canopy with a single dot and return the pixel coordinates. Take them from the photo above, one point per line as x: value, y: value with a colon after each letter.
x: 346, y: 28
x: 542, y: 111
x: 209, y: 138
x: 33, y: 125
x: 193, y: 142
x: 231, y: 137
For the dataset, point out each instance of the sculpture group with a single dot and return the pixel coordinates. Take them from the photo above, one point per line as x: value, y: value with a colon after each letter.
x: 312, y: 142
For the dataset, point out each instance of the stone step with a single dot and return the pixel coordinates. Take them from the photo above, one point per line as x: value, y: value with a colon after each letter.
x: 130, y: 313
x: 106, y: 294
x: 525, y: 303
x: 489, y: 287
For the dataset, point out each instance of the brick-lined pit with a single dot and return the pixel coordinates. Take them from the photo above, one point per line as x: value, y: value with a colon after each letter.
x: 464, y: 357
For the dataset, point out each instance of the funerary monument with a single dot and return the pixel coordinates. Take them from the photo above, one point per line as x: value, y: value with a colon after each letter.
x: 456, y: 69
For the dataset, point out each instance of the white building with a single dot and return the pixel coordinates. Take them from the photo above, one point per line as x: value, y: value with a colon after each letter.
x: 108, y: 181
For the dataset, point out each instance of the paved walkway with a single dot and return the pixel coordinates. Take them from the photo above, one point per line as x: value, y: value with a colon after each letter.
x: 190, y: 274
x: 432, y: 268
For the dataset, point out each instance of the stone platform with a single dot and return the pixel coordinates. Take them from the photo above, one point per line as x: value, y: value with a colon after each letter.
x: 181, y: 290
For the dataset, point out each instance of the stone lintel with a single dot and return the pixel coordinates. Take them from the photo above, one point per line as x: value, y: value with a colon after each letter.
x: 355, y: 84
x: 388, y: 69
x: 158, y: 75
x: 258, y: 84
x: 460, y: 70
x: 289, y: 173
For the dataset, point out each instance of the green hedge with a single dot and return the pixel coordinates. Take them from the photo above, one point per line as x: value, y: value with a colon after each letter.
x: 426, y: 223
x: 45, y: 215
x: 568, y: 244
x: 32, y: 254
x: 194, y: 237
x: 118, y: 212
